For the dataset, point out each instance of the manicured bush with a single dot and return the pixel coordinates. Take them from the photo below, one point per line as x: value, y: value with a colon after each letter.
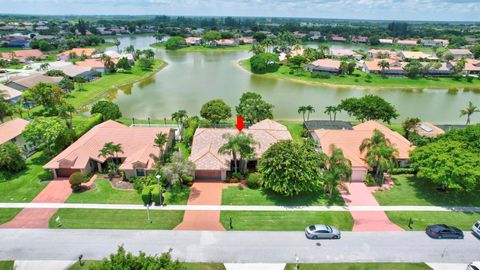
x: 76, y: 180
x: 402, y: 171
x: 155, y: 195
x: 370, y: 180
x: 253, y: 180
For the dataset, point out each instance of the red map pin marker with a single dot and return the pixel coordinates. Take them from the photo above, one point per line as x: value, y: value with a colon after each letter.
x: 240, y: 125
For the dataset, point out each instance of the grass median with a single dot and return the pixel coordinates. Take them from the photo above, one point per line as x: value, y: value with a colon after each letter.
x: 284, y: 220
x: 188, y: 266
x: 7, y: 214
x: 360, y: 266
x: 422, y: 219
x: 116, y: 219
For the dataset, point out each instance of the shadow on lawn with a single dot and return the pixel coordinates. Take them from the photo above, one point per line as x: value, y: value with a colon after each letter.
x: 431, y: 193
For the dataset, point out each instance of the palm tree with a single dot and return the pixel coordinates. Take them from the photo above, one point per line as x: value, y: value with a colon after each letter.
x: 130, y: 49
x: 332, y: 110
x: 309, y: 109
x: 66, y: 111
x: 471, y: 109
x: 44, y: 66
x: 268, y: 42
x: 247, y: 149
x: 116, y: 42
x: 410, y: 125
x: 383, y: 65
x: 338, y: 170
x: 380, y: 154
x: 160, y: 141
x: 180, y: 116
x: 231, y: 147
x: 302, y: 110
x: 111, y: 150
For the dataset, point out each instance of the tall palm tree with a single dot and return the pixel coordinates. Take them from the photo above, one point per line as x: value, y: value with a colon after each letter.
x: 471, y: 109
x: 116, y: 42
x: 180, y: 116
x: 338, y: 170
x: 268, y: 43
x: 332, y: 110
x: 247, y: 149
x: 111, y: 150
x: 309, y: 109
x: 380, y: 154
x: 383, y: 65
x: 231, y: 147
x: 160, y: 141
x: 66, y: 111
x: 302, y: 110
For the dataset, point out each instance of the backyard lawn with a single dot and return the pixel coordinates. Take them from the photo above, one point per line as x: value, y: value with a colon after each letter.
x: 422, y: 219
x: 25, y: 185
x: 105, y: 194
x: 295, y: 128
x: 7, y: 214
x: 284, y: 220
x: 239, y: 195
x: 116, y: 219
x: 360, y: 266
x: 188, y: 266
x: 409, y: 190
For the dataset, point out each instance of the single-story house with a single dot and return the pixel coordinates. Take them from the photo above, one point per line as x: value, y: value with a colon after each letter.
x: 412, y: 55
x: 324, y: 65
x: 443, y: 42
x: 77, y: 51
x: 338, y: 38
x: 137, y: 145
x: 427, y: 129
x: 374, y: 53
x: 459, y: 53
x: 246, y: 40
x: 12, y: 95
x: 11, y: 131
x: 73, y: 71
x: 407, y: 42
x: 326, y: 124
x: 359, y: 39
x: 395, y: 68
x: 339, y: 53
x: 206, y: 142
x: 94, y: 64
x: 229, y: 42
x: 115, y: 55
x: 21, y: 83
x: 386, y: 41
x: 24, y: 55
x: 472, y: 66
x: 350, y: 140
x: 193, y: 41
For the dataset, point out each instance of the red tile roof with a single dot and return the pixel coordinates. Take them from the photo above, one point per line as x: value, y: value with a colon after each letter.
x: 78, y: 51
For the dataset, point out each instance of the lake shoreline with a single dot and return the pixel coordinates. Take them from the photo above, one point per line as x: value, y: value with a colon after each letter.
x: 243, y: 63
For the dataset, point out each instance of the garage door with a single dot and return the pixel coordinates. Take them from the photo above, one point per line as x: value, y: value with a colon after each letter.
x: 359, y: 174
x: 212, y: 175
x: 64, y: 172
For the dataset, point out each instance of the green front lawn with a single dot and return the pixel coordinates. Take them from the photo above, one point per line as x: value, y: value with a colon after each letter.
x: 93, y: 91
x: 422, y: 219
x: 284, y: 220
x: 239, y: 195
x: 359, y: 78
x: 188, y: 266
x: 7, y: 214
x: 410, y: 190
x: 116, y: 219
x: 360, y: 266
x: 104, y: 193
x: 6, y: 265
x: 25, y: 185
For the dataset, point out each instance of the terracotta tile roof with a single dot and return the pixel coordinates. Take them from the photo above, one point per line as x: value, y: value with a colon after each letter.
x: 207, y: 141
x: 23, y: 54
x: 350, y: 140
x: 329, y: 63
x: 471, y: 65
x: 93, y: 63
x: 137, y: 144
x: 460, y: 52
x: 12, y: 129
x: 72, y: 70
x: 78, y: 51
x: 34, y: 79
x: 410, y: 42
x: 373, y: 65
x: 193, y: 40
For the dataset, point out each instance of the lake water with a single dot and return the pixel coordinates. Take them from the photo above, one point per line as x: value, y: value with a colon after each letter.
x: 193, y: 78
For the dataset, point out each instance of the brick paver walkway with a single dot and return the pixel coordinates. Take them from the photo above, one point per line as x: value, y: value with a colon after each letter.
x: 204, y: 193
x: 366, y: 221
x: 57, y: 191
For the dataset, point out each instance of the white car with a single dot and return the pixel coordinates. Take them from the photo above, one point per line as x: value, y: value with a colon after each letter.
x: 476, y: 228
x: 474, y: 265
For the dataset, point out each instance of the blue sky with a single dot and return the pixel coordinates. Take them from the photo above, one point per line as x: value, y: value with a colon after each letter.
x: 444, y: 10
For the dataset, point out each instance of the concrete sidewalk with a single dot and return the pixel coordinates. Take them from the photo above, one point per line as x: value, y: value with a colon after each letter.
x: 202, y: 207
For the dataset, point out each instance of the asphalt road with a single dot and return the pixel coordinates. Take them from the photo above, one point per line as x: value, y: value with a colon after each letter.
x: 236, y: 247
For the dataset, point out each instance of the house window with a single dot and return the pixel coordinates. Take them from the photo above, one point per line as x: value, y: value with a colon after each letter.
x: 140, y: 172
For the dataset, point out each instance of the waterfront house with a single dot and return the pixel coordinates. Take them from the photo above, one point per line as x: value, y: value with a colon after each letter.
x: 374, y: 53
x: 395, y: 67
x: 94, y: 64
x: 324, y: 65
x: 21, y: 83
x: 137, y: 145
x: 460, y: 53
x: 78, y: 52
x: 341, y: 53
x: 73, y: 71
x: 193, y: 41
x: 350, y: 140
x: 207, y: 141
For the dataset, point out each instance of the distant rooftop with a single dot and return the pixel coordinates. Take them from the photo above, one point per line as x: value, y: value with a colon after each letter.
x: 327, y: 124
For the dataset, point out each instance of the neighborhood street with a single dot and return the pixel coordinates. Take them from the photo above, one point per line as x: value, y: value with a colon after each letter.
x: 267, y: 247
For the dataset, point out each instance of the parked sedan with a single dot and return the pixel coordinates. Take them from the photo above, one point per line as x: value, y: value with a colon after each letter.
x: 476, y: 228
x: 440, y: 231
x: 322, y: 231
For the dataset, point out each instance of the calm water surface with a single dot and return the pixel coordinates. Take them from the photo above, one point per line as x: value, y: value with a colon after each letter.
x: 192, y: 78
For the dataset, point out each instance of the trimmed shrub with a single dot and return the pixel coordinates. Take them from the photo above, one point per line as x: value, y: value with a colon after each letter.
x: 402, y: 171
x: 76, y: 180
x: 155, y: 194
x: 370, y: 180
x: 253, y: 180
